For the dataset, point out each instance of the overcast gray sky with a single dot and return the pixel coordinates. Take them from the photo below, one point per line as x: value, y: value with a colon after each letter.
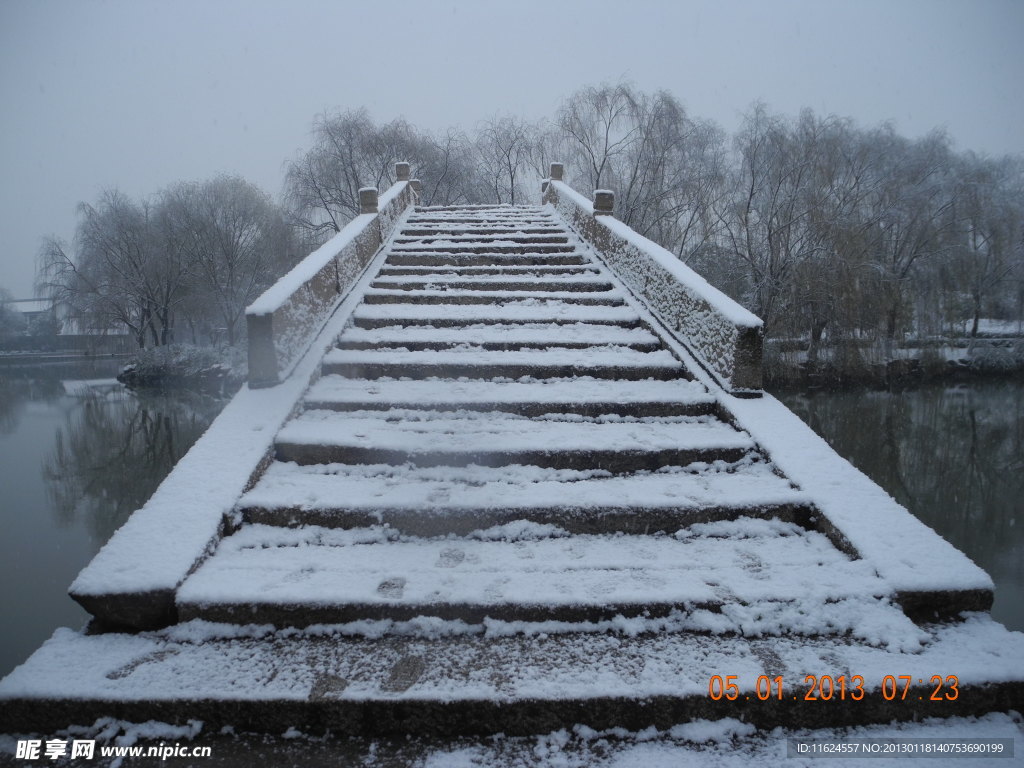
x: 141, y: 94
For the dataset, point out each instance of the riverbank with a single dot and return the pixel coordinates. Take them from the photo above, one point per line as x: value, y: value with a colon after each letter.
x: 787, y: 365
x: 183, y: 366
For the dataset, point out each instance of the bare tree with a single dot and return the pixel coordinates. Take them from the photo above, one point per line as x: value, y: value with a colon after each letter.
x: 233, y: 239
x: 115, y: 277
x: 503, y: 146
x: 990, y: 216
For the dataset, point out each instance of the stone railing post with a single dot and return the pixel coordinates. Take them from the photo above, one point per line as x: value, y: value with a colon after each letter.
x: 604, y: 202
x: 556, y: 175
x: 402, y: 171
x: 368, y: 200
x: 417, y: 189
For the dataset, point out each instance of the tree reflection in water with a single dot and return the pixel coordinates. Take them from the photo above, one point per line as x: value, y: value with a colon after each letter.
x: 953, y: 455
x: 114, y: 450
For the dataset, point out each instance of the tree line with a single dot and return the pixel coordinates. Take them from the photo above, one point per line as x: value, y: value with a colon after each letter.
x: 826, y: 229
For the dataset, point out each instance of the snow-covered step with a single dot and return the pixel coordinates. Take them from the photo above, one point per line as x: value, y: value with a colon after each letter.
x: 433, y: 501
x: 500, y: 336
x: 489, y: 271
x: 420, y: 229
x: 529, y: 311
x: 429, y: 438
x: 298, y: 577
x: 584, y: 395
x: 449, y: 679
x: 495, y: 249
x: 559, y: 283
x: 482, y: 213
x: 441, y: 295
x: 511, y: 236
x: 472, y: 259
x: 608, y: 362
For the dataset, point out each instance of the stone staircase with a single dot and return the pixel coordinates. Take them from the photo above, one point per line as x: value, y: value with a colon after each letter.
x: 507, y: 506
x: 526, y: 458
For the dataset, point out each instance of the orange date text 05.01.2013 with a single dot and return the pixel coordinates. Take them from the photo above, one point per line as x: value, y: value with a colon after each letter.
x: 836, y: 688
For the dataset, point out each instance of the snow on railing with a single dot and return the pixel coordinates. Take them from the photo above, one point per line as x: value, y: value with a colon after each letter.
x: 283, y: 321
x: 724, y: 337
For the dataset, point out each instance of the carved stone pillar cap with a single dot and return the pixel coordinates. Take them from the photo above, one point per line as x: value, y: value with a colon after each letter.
x: 556, y: 171
x: 402, y: 171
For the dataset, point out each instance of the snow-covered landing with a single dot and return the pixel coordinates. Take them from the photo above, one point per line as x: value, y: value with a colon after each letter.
x: 766, y: 574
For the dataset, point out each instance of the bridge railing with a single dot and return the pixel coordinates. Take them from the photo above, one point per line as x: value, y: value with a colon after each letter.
x: 726, y: 339
x: 284, y: 320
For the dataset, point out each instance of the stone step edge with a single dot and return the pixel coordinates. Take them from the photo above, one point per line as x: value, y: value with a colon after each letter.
x: 612, y: 460
x: 395, y: 685
x: 303, y: 615
x: 491, y: 298
x: 492, y: 346
x: 377, y: 370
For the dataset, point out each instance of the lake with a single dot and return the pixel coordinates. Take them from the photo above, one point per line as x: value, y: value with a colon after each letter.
x: 79, y: 453
x: 953, y: 454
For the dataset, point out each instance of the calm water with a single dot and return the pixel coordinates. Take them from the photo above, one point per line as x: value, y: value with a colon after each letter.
x: 951, y: 454
x: 72, y: 468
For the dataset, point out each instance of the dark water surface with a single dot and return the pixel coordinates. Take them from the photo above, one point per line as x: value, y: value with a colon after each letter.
x: 953, y: 454
x: 73, y: 467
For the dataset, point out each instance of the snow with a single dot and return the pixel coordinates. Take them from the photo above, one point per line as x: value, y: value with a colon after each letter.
x: 188, y: 662
x: 991, y: 327
x: 503, y: 333
x: 491, y: 270
x: 581, y: 390
x: 517, y: 488
x: 437, y: 276
x: 415, y: 432
x: 609, y: 356
x: 84, y: 387
x: 612, y: 297
x: 528, y: 310
x: 764, y: 580
x: 722, y: 743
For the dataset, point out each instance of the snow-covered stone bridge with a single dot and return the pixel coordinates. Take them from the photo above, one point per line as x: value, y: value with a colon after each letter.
x: 509, y: 469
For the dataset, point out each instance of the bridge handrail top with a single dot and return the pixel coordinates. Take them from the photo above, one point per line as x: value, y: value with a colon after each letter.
x: 729, y: 308
x: 275, y: 297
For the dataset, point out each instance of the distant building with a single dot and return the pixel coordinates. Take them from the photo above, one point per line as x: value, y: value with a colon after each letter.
x: 40, y: 325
